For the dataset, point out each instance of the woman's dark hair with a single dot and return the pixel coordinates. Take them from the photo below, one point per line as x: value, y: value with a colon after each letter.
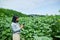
x: 14, y: 19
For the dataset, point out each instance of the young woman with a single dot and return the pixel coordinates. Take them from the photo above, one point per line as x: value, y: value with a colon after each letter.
x: 16, y: 28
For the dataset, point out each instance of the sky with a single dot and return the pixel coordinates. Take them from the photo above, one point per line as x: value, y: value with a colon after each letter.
x: 40, y: 7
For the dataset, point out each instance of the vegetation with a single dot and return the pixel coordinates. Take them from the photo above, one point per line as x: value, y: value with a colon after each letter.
x: 36, y: 26
x: 10, y: 13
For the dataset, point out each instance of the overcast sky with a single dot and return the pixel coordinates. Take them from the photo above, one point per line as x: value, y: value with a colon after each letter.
x: 32, y: 6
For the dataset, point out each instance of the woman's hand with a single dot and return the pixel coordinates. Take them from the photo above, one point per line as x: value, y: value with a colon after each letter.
x: 21, y: 26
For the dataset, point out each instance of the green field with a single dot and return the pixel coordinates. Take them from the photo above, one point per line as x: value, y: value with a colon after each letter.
x: 35, y: 27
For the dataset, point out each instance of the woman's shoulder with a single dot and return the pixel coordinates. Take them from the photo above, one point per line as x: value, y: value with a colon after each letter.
x: 13, y: 23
